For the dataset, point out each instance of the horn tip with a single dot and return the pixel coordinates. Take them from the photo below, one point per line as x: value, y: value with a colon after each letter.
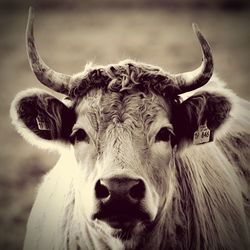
x: 31, y: 12
x: 197, y: 32
x: 195, y: 28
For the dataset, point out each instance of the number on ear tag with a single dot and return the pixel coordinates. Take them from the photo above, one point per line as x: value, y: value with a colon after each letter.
x: 202, y: 135
x: 41, y: 123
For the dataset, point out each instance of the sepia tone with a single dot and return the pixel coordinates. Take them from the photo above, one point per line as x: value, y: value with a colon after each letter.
x: 70, y: 35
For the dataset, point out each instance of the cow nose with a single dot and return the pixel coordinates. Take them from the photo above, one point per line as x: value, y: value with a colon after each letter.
x: 123, y: 188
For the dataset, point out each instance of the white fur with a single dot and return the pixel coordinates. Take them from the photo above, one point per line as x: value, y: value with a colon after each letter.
x: 218, y: 207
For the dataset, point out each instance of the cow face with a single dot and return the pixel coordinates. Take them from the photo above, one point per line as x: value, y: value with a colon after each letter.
x: 122, y: 146
x: 122, y: 143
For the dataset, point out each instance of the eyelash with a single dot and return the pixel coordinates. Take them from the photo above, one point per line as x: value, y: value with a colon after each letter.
x: 164, y: 134
x: 78, y: 136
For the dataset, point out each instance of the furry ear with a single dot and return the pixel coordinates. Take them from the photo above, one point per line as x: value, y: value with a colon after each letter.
x: 203, y: 108
x: 38, y: 115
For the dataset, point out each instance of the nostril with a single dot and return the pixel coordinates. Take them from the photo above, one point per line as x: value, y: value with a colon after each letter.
x: 101, y: 191
x: 138, y: 191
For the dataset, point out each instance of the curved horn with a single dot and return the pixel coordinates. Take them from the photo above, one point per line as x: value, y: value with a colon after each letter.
x: 192, y: 80
x: 50, y: 78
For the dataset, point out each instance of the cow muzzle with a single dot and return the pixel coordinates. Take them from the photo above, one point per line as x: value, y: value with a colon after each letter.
x: 121, y: 202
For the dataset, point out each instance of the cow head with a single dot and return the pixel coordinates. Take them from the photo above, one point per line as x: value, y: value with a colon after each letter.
x: 123, y: 122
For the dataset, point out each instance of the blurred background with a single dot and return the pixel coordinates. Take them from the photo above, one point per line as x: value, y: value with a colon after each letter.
x: 70, y: 33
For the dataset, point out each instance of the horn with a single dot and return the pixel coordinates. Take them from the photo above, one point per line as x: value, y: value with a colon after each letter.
x: 54, y: 80
x: 192, y: 80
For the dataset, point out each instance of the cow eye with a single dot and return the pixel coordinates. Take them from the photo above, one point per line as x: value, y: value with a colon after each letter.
x: 163, y: 135
x: 78, y: 135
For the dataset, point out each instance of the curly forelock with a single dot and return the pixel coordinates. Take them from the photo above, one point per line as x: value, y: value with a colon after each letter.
x: 125, y: 76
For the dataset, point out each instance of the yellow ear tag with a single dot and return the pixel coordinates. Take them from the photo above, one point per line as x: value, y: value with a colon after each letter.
x: 202, y: 135
x: 41, y: 123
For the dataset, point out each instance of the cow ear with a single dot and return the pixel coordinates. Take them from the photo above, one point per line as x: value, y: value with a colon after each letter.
x: 41, y: 117
x: 204, y: 108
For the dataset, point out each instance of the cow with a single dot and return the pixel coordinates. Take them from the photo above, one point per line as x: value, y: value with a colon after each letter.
x: 149, y: 159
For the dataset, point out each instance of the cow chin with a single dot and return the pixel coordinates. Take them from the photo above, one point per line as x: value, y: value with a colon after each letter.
x: 131, y: 236
x: 129, y: 233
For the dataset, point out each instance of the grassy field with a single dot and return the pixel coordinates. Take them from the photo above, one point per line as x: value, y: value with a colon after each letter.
x: 67, y: 39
